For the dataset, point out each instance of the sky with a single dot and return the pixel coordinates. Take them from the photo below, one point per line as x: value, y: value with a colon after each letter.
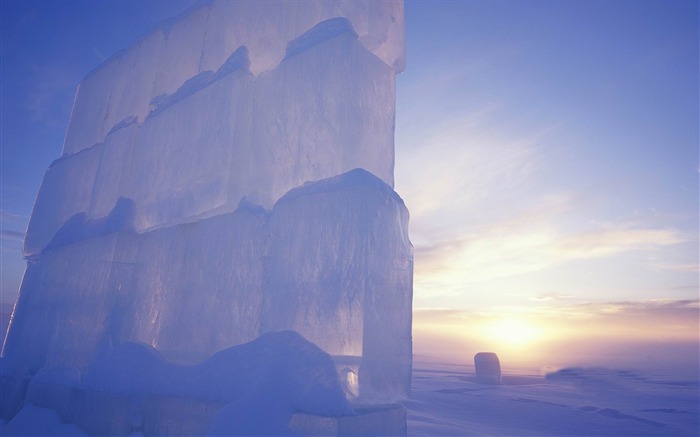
x: 547, y: 152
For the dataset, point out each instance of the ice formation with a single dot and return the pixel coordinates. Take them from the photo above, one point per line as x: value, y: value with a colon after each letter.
x: 487, y: 367
x: 206, y: 110
x: 228, y: 175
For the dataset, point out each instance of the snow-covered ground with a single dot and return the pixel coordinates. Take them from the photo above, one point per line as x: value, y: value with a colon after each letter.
x: 447, y: 400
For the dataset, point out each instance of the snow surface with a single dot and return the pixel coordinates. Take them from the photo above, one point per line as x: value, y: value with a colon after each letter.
x: 281, y: 365
x: 447, y: 400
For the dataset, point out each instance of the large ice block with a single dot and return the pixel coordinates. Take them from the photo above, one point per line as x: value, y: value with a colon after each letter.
x: 332, y: 261
x: 340, y: 271
x: 202, y: 39
x: 182, y: 215
x: 327, y: 109
x: 189, y: 290
x: 199, y: 286
x: 224, y: 135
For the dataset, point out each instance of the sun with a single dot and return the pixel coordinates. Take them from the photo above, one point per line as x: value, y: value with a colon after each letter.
x: 512, y: 332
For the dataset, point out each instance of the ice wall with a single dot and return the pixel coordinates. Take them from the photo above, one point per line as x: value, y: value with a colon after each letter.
x: 181, y: 213
x: 189, y: 290
x: 328, y: 107
x: 332, y: 261
x: 340, y: 272
x: 202, y: 39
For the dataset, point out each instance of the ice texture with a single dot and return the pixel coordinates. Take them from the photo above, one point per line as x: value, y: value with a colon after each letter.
x: 340, y: 271
x: 202, y: 39
x: 332, y: 260
x: 221, y: 136
x: 157, y: 287
x: 229, y: 175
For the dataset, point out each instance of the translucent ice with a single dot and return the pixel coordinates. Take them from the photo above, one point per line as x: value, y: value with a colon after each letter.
x: 332, y: 261
x: 225, y: 134
x: 340, y: 271
x: 181, y: 213
x: 202, y: 39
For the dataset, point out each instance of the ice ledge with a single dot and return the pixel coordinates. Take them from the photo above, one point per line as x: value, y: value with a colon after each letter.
x: 121, y: 218
x: 79, y: 227
x: 238, y: 61
x: 352, y: 179
x: 321, y: 32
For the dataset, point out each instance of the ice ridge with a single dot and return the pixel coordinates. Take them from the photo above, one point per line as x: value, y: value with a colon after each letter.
x: 191, y: 86
x: 246, y: 205
x: 344, y: 181
x: 79, y: 227
x: 126, y: 122
x: 238, y: 60
x: 321, y: 32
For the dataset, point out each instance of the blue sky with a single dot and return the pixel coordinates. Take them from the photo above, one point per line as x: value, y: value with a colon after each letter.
x: 547, y: 150
x: 553, y: 147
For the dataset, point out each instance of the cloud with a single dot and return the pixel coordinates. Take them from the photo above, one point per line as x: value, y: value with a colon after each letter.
x: 648, y: 320
x: 615, y: 333
x: 492, y: 198
x: 681, y: 268
x: 11, y: 217
x: 465, y: 171
x: 609, y: 241
x: 11, y: 240
x: 524, y: 245
x: 641, y: 309
x: 549, y: 297
x: 11, y: 235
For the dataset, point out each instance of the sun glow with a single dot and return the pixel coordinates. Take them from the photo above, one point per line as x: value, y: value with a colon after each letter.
x: 512, y: 333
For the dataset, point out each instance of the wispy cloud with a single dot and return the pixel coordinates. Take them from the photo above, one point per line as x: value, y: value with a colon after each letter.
x: 550, y: 297
x: 669, y: 318
x: 482, y: 211
x: 683, y: 268
x: 464, y: 164
x: 11, y: 217
x: 593, y: 308
x: 11, y: 235
x: 515, y: 248
x: 611, y: 240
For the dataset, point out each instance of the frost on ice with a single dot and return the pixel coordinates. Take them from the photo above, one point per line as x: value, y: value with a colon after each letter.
x: 221, y: 180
